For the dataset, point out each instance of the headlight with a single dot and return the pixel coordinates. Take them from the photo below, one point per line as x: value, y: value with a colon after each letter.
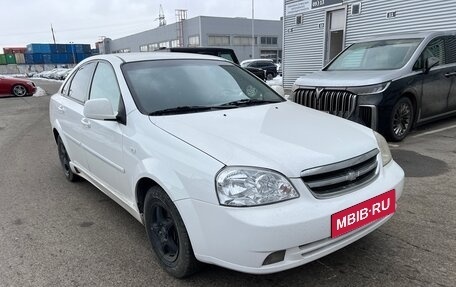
x: 248, y: 186
x: 367, y: 90
x: 384, y: 148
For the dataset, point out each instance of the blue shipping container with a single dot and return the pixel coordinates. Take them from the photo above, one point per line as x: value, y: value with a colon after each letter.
x: 47, y: 59
x: 61, y: 48
x: 38, y: 48
x: 29, y: 59
x: 38, y: 58
x: 78, y: 48
x: 86, y: 48
x: 80, y: 57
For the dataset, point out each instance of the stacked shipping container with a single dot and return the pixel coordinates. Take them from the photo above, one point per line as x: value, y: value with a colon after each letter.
x: 57, y: 53
x: 46, y: 54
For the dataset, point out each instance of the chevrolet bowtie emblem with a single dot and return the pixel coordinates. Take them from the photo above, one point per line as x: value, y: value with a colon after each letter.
x: 351, y: 175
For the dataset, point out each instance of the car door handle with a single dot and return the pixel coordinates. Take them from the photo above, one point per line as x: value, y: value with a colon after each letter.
x: 452, y: 74
x: 85, y: 122
x: 61, y: 109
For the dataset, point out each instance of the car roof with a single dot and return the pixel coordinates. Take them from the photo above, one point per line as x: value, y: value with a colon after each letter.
x: 148, y: 56
x: 409, y: 35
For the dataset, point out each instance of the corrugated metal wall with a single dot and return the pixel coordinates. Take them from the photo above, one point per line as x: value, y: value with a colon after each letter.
x: 411, y: 15
x: 304, y: 44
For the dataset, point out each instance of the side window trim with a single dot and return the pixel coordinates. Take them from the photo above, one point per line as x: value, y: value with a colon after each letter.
x: 67, y: 94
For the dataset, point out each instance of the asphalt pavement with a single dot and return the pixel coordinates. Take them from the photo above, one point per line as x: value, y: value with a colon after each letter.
x: 57, y: 233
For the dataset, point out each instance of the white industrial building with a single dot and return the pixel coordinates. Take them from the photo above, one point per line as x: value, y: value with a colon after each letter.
x: 205, y: 31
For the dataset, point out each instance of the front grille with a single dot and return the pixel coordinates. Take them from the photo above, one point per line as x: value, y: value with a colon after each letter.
x: 336, y: 102
x: 339, y: 178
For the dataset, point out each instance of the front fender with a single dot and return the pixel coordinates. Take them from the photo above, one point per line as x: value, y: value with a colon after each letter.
x: 181, y: 179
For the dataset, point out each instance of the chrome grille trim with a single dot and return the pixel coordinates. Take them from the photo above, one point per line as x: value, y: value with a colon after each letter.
x: 341, y: 103
x: 342, y: 177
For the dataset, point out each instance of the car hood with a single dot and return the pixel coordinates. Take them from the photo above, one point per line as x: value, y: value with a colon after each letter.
x: 347, y: 78
x: 285, y: 137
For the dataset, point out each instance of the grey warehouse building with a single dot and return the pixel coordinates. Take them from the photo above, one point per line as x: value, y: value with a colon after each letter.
x: 205, y: 31
x: 315, y: 31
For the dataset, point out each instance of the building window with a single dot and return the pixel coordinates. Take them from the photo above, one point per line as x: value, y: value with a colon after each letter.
x: 143, y: 48
x: 193, y: 41
x: 152, y: 47
x: 127, y: 50
x: 299, y: 20
x: 175, y: 43
x: 219, y: 40
x: 164, y: 44
x: 268, y: 40
x: 243, y: 41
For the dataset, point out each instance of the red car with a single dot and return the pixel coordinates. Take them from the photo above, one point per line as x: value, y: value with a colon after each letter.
x: 17, y: 87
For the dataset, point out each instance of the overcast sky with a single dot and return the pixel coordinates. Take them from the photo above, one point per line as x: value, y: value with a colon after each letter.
x: 84, y: 21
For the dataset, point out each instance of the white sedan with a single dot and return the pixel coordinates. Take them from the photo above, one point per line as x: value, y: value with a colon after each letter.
x: 219, y: 167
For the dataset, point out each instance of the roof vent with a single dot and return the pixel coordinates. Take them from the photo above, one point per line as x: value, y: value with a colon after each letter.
x: 356, y: 8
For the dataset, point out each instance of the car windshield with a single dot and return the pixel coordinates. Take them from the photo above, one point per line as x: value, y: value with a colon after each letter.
x: 376, y: 55
x: 183, y: 86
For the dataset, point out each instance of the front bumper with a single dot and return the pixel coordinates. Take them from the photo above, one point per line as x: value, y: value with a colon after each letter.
x: 242, y: 238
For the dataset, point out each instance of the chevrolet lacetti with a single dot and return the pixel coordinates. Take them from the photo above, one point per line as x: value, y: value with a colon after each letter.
x: 217, y: 165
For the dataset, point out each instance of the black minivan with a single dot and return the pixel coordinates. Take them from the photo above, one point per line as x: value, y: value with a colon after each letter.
x: 389, y: 83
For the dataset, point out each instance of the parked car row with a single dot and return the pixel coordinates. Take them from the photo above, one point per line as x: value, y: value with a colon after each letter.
x: 56, y: 74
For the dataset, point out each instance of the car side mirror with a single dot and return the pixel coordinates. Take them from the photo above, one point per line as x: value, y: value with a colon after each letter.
x: 99, y: 109
x: 431, y: 62
x: 279, y: 90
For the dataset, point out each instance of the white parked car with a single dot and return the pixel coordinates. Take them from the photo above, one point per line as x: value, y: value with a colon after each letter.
x: 218, y: 167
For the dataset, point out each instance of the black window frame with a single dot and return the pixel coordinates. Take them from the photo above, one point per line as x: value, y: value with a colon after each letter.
x: 419, y: 64
x: 70, y: 82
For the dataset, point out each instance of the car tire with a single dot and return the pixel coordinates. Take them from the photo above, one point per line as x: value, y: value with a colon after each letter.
x: 167, y: 234
x: 19, y: 90
x: 401, y: 120
x: 65, y: 161
x: 269, y: 76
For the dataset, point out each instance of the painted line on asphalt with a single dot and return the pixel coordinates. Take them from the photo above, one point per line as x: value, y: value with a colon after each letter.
x: 434, y: 131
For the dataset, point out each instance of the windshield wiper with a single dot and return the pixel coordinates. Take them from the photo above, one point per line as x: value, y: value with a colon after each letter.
x: 190, y: 109
x: 248, y: 102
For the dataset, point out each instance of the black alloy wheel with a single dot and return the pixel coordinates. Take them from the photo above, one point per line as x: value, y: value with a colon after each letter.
x: 65, y: 161
x: 401, y: 121
x: 167, y: 234
x: 164, y: 233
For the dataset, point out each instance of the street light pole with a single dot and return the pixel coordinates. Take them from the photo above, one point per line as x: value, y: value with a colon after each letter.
x: 72, y: 51
x: 253, y: 29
